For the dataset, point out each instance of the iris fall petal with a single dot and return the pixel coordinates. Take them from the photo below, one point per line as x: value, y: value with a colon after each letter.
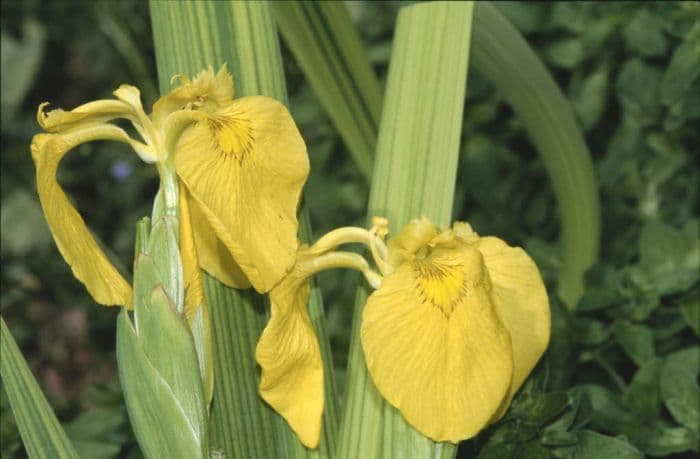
x: 74, y: 241
x: 434, y: 343
x: 244, y: 167
x: 290, y: 358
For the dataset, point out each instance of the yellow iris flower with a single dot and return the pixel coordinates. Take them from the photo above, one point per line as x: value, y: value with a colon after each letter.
x: 242, y: 162
x: 454, y: 327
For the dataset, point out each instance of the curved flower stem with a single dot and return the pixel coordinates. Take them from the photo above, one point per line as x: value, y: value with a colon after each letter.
x: 372, y: 239
x: 339, y: 259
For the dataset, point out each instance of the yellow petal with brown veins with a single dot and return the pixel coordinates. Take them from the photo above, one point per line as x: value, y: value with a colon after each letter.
x: 245, y: 166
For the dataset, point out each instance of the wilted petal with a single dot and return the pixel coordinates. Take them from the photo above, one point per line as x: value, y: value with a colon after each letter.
x: 245, y: 166
x: 521, y: 300
x: 74, y: 241
x: 434, y: 344
x: 290, y: 358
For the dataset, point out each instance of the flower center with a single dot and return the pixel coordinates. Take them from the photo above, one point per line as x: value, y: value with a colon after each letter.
x: 233, y: 135
x: 440, y: 285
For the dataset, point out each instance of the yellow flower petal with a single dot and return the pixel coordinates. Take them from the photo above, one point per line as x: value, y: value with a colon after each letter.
x: 434, y: 344
x: 290, y: 358
x: 521, y: 300
x: 98, y: 111
x: 74, y: 241
x: 214, y: 257
x: 245, y: 167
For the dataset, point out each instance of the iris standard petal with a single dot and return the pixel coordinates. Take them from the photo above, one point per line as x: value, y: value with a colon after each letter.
x: 290, y: 358
x: 521, y: 300
x: 434, y: 344
x: 207, y: 91
x: 80, y: 250
x: 245, y: 166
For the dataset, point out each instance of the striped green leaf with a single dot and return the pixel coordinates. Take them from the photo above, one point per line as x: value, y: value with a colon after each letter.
x: 41, y: 433
x: 188, y: 37
x: 501, y: 53
x: 414, y: 175
x: 327, y: 47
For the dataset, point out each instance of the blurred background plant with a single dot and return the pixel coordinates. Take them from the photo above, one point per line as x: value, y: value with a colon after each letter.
x: 621, y: 373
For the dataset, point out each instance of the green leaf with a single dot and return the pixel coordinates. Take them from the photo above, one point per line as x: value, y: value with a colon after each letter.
x: 668, y: 258
x: 541, y: 407
x: 637, y: 89
x: 328, y: 49
x: 590, y: 97
x: 567, y: 53
x: 420, y: 130
x: 683, y: 69
x: 188, y: 37
x: 663, y: 440
x: 643, y: 395
x: 679, y: 387
x: 644, y: 36
x: 636, y: 340
x: 501, y: 54
x: 92, y: 433
x: 41, y: 433
x: 592, y: 445
x: 589, y: 331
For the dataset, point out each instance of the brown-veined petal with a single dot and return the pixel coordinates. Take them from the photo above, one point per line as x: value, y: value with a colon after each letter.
x: 80, y: 250
x: 435, y: 345
x: 521, y: 299
x: 245, y: 166
x: 290, y: 358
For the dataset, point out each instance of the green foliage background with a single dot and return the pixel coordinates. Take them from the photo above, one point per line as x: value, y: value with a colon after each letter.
x: 620, y: 376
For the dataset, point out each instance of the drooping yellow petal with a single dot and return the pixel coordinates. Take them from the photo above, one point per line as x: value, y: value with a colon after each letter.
x: 290, y: 358
x: 434, y: 344
x: 245, y: 166
x: 196, y: 308
x: 74, y: 241
x: 521, y: 300
x: 98, y: 111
